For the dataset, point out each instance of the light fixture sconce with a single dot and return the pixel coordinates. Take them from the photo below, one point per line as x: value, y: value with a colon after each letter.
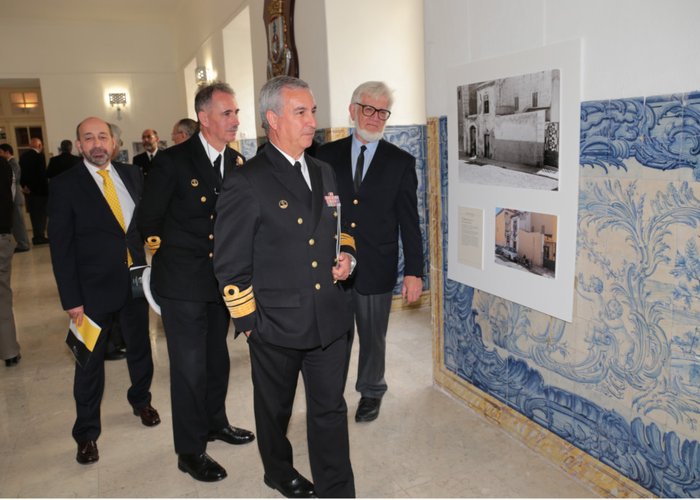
x: 25, y: 101
x: 202, y: 75
x: 118, y: 100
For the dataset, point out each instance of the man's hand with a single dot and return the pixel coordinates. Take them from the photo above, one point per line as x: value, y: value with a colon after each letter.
x: 25, y: 190
x: 412, y: 288
x: 76, y: 314
x: 341, y: 270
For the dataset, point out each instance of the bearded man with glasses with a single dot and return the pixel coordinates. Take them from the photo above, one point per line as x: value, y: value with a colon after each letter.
x: 377, y: 183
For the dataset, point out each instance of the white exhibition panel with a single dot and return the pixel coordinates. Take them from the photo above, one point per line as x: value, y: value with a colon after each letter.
x: 553, y: 296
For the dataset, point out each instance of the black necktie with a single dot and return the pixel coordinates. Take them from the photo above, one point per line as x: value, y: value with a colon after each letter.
x: 297, y: 167
x: 358, y: 168
x: 217, y: 167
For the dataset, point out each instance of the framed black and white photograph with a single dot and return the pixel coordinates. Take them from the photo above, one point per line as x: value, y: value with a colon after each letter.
x: 513, y: 155
x: 508, y: 131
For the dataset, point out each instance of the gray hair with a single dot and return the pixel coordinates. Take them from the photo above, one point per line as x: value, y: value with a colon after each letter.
x: 373, y: 89
x: 271, y: 95
x: 187, y: 126
x: 205, y: 94
x: 116, y: 132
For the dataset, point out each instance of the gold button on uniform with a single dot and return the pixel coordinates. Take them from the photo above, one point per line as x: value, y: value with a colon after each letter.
x: 318, y: 286
x: 211, y: 236
x: 300, y: 220
x: 312, y: 242
x: 335, y: 214
x: 211, y: 254
x: 211, y: 217
x: 314, y: 264
x: 355, y: 201
x: 203, y: 199
x: 353, y: 225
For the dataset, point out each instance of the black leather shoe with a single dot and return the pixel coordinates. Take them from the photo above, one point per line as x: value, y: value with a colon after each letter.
x: 40, y: 241
x: 119, y: 353
x: 201, y: 467
x: 368, y: 409
x: 299, y: 487
x: 232, y: 435
x: 149, y: 415
x: 21, y: 250
x: 13, y: 361
x: 87, y: 453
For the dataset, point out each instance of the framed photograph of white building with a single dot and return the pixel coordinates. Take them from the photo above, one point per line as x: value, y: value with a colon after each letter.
x: 508, y: 131
x: 513, y: 151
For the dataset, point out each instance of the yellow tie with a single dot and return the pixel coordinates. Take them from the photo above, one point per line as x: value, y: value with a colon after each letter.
x: 110, y: 193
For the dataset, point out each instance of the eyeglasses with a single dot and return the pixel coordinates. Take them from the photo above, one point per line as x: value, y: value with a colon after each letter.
x: 367, y: 110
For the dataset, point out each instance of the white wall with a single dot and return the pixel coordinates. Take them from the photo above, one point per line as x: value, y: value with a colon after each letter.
x: 630, y: 47
x: 78, y: 62
x: 376, y: 40
x: 238, y: 57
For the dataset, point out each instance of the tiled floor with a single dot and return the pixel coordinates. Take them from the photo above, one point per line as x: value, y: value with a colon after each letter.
x: 424, y: 444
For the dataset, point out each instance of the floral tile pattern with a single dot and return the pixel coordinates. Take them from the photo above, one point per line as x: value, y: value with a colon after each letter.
x: 622, y: 382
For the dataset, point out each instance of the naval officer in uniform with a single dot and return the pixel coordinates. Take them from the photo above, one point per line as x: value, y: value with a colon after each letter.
x: 177, y: 220
x: 280, y: 260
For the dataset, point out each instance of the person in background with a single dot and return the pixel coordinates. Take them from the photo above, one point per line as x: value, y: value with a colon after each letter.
x: 378, y: 184
x: 183, y: 130
x: 35, y: 186
x: 9, y: 347
x: 94, y: 241
x: 63, y: 161
x: 19, y: 229
x: 149, y: 139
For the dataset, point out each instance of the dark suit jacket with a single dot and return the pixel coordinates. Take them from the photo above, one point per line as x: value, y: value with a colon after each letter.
x: 60, y: 163
x: 143, y: 162
x: 88, y: 246
x: 33, y: 167
x: 385, y: 203
x: 270, y: 238
x: 6, y: 203
x: 178, y: 207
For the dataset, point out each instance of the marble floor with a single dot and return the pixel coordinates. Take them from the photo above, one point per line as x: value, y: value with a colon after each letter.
x: 424, y: 443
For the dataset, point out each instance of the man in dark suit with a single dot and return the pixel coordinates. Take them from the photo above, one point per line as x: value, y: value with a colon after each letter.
x: 35, y: 186
x: 19, y: 231
x: 149, y: 139
x: 278, y: 267
x: 63, y: 161
x: 177, y: 219
x: 378, y: 183
x: 93, y: 243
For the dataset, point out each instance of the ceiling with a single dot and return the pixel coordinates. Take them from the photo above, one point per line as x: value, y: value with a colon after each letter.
x: 91, y: 10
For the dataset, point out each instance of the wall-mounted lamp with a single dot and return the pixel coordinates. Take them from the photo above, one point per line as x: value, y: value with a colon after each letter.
x: 203, y: 75
x: 118, y: 100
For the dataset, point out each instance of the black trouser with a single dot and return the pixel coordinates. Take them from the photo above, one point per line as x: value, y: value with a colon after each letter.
x: 36, y: 206
x: 89, y: 382
x: 199, y: 369
x: 275, y: 373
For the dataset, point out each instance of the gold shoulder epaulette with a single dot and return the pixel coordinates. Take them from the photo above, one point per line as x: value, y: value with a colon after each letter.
x: 239, y: 303
x: 347, y: 241
x: 153, y: 243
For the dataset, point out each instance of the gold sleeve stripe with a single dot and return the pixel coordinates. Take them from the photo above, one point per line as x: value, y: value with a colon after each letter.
x: 347, y: 241
x: 239, y: 303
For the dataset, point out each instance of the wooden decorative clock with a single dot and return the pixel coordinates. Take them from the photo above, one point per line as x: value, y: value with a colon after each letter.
x: 282, y: 58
